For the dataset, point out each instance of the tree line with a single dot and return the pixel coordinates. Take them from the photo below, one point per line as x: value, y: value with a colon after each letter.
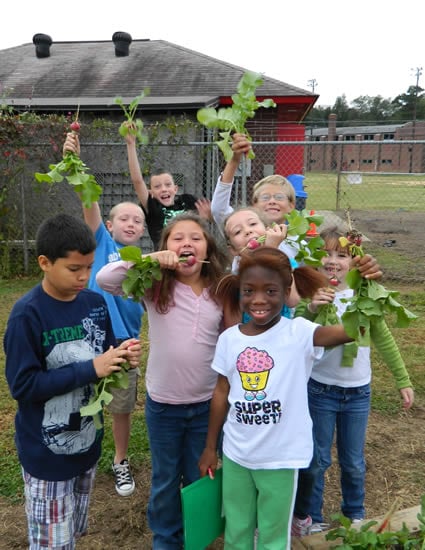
x: 368, y: 110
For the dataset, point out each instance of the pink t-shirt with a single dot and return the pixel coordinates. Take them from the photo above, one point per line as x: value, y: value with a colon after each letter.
x: 182, y: 345
x: 182, y: 341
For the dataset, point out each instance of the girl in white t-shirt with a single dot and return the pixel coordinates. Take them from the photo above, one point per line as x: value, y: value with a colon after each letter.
x: 185, y: 319
x: 261, y: 398
x: 339, y: 399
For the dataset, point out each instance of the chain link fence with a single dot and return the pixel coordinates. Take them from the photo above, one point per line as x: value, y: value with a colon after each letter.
x: 334, y: 177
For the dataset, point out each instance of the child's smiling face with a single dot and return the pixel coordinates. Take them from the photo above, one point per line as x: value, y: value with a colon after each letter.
x: 241, y: 227
x: 335, y: 267
x: 262, y: 296
x: 163, y: 188
x: 273, y: 202
x: 187, y: 239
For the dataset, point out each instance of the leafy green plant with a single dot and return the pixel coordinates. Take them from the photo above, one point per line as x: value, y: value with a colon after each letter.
x: 233, y: 119
x: 373, y: 534
x: 327, y: 315
x: 133, y: 125
x: 371, y: 300
x: 73, y: 169
x: 102, y: 396
x: 310, y: 249
x: 141, y: 275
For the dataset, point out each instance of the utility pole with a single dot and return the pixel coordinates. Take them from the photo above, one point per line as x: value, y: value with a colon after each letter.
x: 312, y: 83
x: 417, y: 72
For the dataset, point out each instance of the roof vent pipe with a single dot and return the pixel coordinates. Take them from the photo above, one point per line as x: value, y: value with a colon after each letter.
x: 122, y: 41
x: 42, y: 44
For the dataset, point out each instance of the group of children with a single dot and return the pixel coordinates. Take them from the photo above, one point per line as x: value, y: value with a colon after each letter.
x: 223, y: 353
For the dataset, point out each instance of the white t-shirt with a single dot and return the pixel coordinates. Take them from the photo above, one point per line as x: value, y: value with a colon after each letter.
x: 328, y: 369
x: 268, y: 425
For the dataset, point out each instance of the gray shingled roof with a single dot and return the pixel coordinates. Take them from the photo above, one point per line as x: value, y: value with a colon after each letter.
x: 91, y: 72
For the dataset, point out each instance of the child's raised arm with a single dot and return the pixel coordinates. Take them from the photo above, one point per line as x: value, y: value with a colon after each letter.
x: 137, y: 180
x: 220, y: 203
x: 92, y: 215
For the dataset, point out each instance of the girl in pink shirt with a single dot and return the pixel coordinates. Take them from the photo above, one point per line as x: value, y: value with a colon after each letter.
x: 185, y: 321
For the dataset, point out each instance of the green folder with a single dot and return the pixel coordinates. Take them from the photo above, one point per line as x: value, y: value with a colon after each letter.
x: 203, y: 520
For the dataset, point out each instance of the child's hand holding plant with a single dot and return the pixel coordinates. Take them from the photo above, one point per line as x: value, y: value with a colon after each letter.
x: 371, y: 300
x: 229, y: 120
x: 274, y: 235
x: 112, y: 370
x: 146, y: 269
x: 324, y: 311
x: 73, y: 169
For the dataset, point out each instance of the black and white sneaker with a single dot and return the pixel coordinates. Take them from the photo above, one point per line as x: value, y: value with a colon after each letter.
x: 124, y: 482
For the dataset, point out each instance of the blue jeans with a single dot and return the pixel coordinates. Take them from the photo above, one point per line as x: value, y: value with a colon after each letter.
x: 346, y: 411
x: 177, y: 435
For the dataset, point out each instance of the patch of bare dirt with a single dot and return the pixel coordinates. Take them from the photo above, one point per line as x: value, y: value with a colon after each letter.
x: 395, y: 455
x: 398, y: 232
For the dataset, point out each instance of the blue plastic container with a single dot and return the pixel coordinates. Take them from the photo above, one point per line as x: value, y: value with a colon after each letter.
x: 300, y: 195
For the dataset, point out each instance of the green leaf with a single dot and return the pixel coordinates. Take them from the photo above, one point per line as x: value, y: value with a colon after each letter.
x: 370, y: 302
x: 349, y: 354
x: 130, y: 253
x: 353, y: 278
x: 131, y: 125
x: 141, y: 275
x: 73, y: 169
x: 233, y: 119
x: 102, y: 396
x: 327, y: 315
x: 309, y: 249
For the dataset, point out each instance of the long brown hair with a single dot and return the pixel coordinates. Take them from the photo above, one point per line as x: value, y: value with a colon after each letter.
x: 307, y: 279
x: 211, y: 272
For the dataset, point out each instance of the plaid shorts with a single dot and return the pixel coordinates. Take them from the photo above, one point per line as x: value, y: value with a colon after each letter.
x: 57, y: 511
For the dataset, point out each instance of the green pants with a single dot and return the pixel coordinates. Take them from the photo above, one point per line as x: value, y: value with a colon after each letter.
x: 257, y: 498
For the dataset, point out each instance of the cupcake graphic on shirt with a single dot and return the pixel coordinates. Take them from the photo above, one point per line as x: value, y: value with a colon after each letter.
x: 254, y: 366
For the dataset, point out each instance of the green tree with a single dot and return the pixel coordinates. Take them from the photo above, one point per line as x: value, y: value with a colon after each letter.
x: 342, y: 109
x: 405, y: 103
x: 373, y: 108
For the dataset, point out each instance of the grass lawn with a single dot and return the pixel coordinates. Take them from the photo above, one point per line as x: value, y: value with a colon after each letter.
x: 376, y: 192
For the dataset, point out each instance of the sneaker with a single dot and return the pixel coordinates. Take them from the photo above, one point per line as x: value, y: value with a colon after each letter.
x: 301, y: 527
x: 124, y: 482
x: 319, y: 527
x: 356, y: 520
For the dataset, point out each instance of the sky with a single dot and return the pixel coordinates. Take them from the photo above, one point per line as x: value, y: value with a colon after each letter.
x: 331, y: 47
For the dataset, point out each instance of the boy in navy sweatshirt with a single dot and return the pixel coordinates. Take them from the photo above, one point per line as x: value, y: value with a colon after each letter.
x: 58, y: 344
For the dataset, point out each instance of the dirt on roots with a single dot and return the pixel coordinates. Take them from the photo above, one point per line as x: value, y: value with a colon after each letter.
x: 395, y: 450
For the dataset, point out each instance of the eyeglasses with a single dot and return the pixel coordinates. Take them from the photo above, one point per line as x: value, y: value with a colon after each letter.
x: 277, y: 197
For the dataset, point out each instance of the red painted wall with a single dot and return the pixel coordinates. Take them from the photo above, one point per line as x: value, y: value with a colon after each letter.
x: 290, y: 158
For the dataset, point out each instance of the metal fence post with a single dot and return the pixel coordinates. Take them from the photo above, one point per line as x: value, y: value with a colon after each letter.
x: 338, y: 189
